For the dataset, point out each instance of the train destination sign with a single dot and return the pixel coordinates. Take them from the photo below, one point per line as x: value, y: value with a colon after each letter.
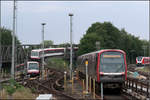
x: 111, y: 56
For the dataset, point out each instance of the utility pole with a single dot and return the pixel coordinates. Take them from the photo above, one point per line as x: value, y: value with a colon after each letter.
x: 13, y: 41
x: 43, y: 49
x: 70, y: 14
x: 0, y: 47
x: 0, y: 41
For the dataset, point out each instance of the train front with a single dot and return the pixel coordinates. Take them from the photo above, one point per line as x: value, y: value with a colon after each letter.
x: 112, y: 67
x: 33, y: 68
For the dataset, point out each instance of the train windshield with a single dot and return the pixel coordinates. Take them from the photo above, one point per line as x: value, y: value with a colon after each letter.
x: 33, y: 66
x: 112, y: 62
x: 139, y: 58
x: 34, y: 53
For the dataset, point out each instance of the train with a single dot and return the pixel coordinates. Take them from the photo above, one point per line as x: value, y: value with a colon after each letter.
x: 36, y: 54
x: 107, y: 66
x: 142, y: 61
x: 30, y: 68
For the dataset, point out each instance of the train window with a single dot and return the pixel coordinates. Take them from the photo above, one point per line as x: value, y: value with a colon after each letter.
x: 112, y: 62
x: 34, y: 53
x: 33, y: 66
x: 139, y: 58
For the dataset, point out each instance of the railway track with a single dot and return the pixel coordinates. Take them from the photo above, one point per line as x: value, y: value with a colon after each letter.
x: 51, y: 85
x: 132, y: 68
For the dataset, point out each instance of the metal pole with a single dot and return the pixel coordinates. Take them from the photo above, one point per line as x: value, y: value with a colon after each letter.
x: 43, y: 49
x: 0, y: 40
x: 87, y: 78
x: 0, y: 50
x: 13, y: 41
x: 70, y: 45
x: 102, y: 91
x: 93, y: 88
x: 149, y: 52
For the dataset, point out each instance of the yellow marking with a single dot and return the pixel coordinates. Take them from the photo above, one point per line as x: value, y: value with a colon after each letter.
x: 86, y: 62
x: 111, y: 56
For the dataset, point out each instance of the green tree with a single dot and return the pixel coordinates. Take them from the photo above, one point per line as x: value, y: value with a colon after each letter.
x: 47, y: 43
x: 6, y: 37
x: 110, y: 37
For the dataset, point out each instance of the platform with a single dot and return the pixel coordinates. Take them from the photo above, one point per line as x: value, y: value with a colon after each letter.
x: 77, y: 90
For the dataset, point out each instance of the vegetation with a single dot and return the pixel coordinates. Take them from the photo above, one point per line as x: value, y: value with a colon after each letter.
x: 16, y: 91
x: 47, y: 43
x: 58, y: 63
x: 6, y: 37
x: 110, y: 37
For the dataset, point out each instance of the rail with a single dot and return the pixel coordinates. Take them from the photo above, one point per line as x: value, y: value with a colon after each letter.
x: 139, y: 89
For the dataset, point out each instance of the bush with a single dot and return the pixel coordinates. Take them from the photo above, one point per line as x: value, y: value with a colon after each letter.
x: 57, y: 63
x: 12, y: 87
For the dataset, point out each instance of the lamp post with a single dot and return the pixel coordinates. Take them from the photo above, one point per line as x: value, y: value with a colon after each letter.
x: 13, y: 40
x: 70, y: 14
x: 43, y: 49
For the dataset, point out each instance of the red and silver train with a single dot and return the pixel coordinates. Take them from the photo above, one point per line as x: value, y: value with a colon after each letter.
x: 49, y: 52
x: 141, y: 61
x: 37, y: 53
x: 107, y: 66
x: 31, y: 68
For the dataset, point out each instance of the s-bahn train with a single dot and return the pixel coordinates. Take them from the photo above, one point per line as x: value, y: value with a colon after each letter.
x: 140, y: 61
x: 37, y: 53
x: 31, y: 68
x: 107, y: 66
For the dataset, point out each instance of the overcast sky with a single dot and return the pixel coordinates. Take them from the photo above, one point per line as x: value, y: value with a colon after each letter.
x: 131, y: 15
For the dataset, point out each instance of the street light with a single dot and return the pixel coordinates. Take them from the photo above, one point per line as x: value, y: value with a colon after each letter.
x: 70, y: 14
x: 43, y: 49
x: 13, y: 41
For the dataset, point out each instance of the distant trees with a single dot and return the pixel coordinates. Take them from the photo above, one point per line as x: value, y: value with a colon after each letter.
x: 47, y: 43
x: 110, y: 37
x: 6, y: 37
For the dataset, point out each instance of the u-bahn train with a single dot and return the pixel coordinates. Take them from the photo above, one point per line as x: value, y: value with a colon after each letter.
x: 108, y: 66
x: 30, y: 68
x: 36, y: 54
x: 140, y: 61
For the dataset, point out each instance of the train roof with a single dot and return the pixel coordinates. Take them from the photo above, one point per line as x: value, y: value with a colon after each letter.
x: 38, y: 50
x: 32, y: 62
x: 104, y: 50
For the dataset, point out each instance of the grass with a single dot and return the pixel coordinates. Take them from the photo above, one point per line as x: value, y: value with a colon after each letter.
x: 58, y: 63
x: 3, y: 94
x: 13, y: 90
x: 23, y: 93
